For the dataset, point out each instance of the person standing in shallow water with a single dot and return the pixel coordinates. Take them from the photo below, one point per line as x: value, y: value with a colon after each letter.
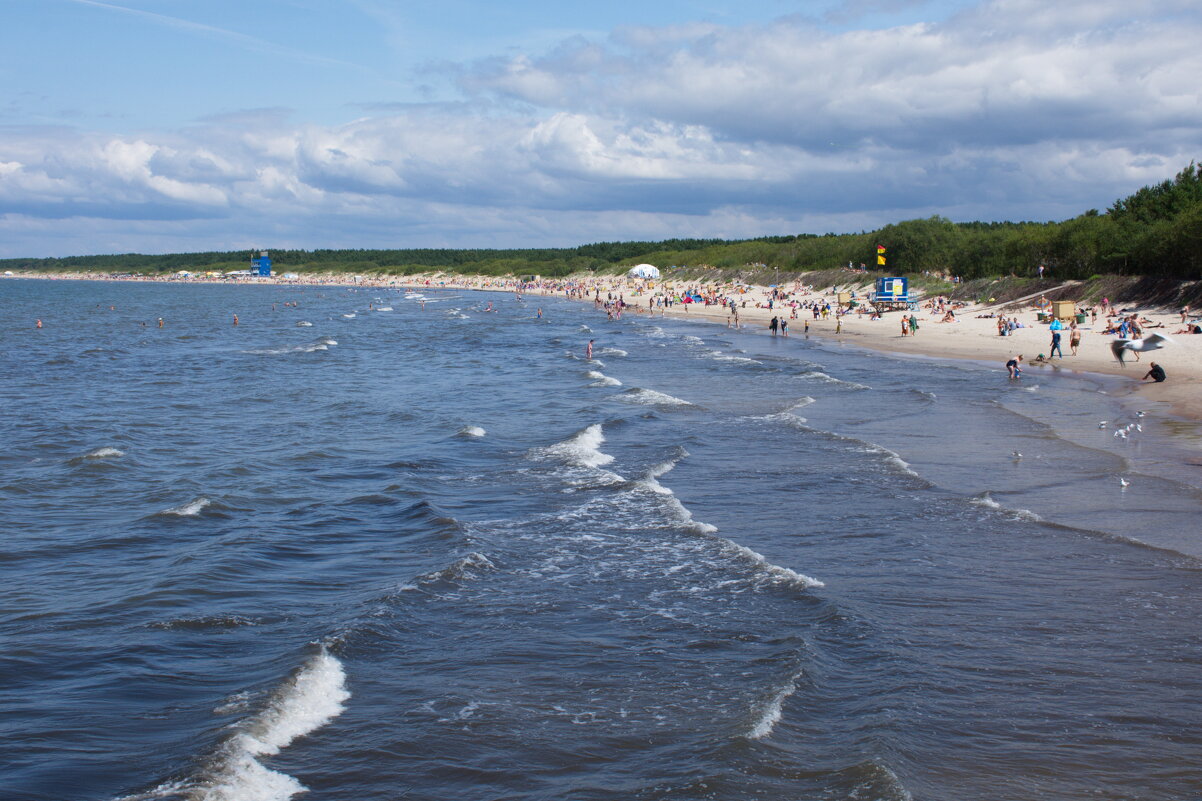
x: 1014, y: 366
x: 772, y: 326
x: 588, y: 350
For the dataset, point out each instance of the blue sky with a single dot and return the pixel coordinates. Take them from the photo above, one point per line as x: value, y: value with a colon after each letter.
x: 165, y: 125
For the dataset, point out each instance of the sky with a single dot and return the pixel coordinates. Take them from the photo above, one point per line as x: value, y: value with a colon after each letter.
x: 158, y: 126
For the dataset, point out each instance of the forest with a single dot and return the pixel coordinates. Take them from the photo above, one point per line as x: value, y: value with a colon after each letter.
x: 1157, y: 231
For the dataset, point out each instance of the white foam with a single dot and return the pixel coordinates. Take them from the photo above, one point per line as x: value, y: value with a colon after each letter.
x: 694, y: 340
x: 472, y: 431
x: 1019, y: 514
x: 612, y: 352
x: 650, y: 481
x: 584, y: 329
x: 821, y: 376
x: 602, y: 380
x: 304, y: 324
x: 350, y: 316
x: 384, y: 308
x: 104, y: 453
x: 771, y: 712
x: 189, y: 509
x: 801, y: 403
x: 582, y: 448
x: 775, y: 573
x: 718, y: 355
x: 457, y: 571
x: 311, y: 698
x: 650, y: 397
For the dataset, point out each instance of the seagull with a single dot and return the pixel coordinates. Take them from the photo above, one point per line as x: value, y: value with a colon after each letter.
x: 1151, y: 342
x: 1124, y: 483
x: 1138, y: 427
x: 1102, y: 424
x: 1016, y: 454
x: 1121, y: 433
x: 1140, y: 414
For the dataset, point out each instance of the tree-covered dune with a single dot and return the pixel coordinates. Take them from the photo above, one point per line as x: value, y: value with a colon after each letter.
x: 1157, y: 231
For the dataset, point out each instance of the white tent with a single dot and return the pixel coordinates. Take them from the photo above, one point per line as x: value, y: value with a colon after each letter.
x: 644, y: 271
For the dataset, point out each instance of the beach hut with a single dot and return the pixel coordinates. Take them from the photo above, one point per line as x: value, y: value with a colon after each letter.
x: 644, y: 271
x: 1064, y: 309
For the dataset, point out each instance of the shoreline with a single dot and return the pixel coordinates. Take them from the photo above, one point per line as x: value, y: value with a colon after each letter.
x: 969, y: 338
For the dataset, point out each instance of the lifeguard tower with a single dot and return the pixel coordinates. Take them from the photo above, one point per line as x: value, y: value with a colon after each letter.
x: 891, y: 294
x: 262, y: 265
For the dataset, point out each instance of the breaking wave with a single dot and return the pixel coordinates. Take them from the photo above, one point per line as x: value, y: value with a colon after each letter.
x: 309, y: 699
x: 582, y: 449
x: 650, y: 397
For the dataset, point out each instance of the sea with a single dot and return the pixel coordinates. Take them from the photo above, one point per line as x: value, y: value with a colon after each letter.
x: 372, y: 544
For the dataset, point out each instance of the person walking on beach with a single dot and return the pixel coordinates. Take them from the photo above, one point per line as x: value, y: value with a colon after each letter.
x: 1074, y: 340
x: 1055, y: 346
x: 905, y: 326
x: 913, y: 325
x: 784, y: 327
x: 1014, y: 367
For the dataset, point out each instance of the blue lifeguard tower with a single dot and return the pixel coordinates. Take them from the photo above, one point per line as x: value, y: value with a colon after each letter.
x: 892, y: 293
x: 261, y: 265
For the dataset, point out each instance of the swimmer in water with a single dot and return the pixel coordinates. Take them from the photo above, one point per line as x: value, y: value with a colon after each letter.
x: 588, y: 351
x: 540, y: 314
x: 39, y: 325
x: 160, y: 322
x: 235, y: 319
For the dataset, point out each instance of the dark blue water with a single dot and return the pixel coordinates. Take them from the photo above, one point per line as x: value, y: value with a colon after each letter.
x: 434, y: 553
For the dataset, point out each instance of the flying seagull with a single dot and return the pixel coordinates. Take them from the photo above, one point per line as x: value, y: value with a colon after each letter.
x: 1151, y: 342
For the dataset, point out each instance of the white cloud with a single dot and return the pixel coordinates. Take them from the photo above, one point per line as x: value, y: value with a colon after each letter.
x: 1015, y: 109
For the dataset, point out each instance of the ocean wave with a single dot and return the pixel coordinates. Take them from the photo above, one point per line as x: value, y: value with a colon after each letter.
x: 473, y: 432
x: 651, y: 479
x: 309, y: 699
x: 303, y: 324
x: 384, y: 308
x: 612, y: 352
x: 104, y: 453
x: 189, y: 509
x: 460, y: 570
x: 350, y: 316
x: 650, y: 397
x: 773, y: 574
x: 987, y: 501
x: 770, y: 713
x: 602, y: 380
x: 719, y: 356
x: 199, y: 622
x: 693, y: 340
x: 581, y: 449
x: 324, y: 343
x: 829, y: 379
